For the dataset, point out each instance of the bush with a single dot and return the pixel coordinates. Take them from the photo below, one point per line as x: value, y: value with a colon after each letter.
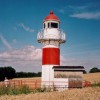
x: 96, y: 84
x: 8, y: 72
x: 94, y: 70
x: 3, y: 90
x: 12, y: 90
x: 25, y: 89
x: 27, y: 74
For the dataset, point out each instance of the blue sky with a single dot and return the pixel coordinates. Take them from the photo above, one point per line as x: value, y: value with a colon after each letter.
x: 20, y: 21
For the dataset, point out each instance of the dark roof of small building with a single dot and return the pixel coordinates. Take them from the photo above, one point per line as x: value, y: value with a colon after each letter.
x: 68, y: 68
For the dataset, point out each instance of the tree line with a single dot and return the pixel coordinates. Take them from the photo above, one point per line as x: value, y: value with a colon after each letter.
x: 94, y: 70
x: 11, y: 73
x: 27, y: 74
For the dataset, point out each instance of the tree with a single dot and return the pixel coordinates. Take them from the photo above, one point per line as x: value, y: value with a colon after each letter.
x: 39, y: 74
x: 94, y: 70
x: 8, y: 72
x: 27, y: 74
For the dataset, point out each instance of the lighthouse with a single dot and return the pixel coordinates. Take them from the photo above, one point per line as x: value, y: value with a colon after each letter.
x: 51, y: 36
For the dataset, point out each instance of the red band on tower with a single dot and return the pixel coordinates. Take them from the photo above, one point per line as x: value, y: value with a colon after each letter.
x: 50, y: 56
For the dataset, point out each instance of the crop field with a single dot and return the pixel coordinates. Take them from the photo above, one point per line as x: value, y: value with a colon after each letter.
x: 33, y: 78
x: 87, y: 93
x: 92, y: 77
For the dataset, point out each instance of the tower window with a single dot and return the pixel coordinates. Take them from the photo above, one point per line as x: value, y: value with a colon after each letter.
x: 44, y: 25
x: 54, y: 25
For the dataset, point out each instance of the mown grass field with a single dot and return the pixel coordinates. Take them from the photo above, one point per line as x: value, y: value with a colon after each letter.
x: 88, y: 93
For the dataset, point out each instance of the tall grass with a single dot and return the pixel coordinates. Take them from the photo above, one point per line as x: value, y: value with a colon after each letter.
x: 96, y: 84
x: 88, y: 93
x: 12, y: 90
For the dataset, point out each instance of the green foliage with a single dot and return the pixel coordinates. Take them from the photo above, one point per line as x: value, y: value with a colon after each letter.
x: 96, y: 84
x: 41, y: 89
x: 94, y: 70
x: 25, y: 89
x: 3, y: 90
x: 27, y: 74
x: 39, y: 74
x: 44, y: 89
x: 8, y: 72
x: 12, y: 90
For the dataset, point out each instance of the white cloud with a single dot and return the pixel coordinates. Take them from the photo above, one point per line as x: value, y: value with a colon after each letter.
x: 87, y: 11
x: 5, y: 43
x: 73, y: 9
x: 87, y: 15
x: 25, y: 59
x: 29, y: 59
x: 26, y: 28
x: 78, y: 8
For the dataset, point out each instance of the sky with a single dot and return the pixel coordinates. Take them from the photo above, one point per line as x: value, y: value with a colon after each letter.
x: 21, y: 20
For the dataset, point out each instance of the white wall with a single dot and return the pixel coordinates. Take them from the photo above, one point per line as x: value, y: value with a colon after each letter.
x: 61, y: 83
x: 47, y: 75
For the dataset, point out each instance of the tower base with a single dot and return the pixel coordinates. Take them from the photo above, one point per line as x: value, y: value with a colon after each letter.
x: 47, y: 75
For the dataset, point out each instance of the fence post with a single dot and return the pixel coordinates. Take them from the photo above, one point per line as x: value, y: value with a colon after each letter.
x: 21, y: 83
x: 35, y: 84
x: 14, y: 84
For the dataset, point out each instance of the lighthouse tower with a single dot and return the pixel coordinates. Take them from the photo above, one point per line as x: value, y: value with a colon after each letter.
x: 51, y: 37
